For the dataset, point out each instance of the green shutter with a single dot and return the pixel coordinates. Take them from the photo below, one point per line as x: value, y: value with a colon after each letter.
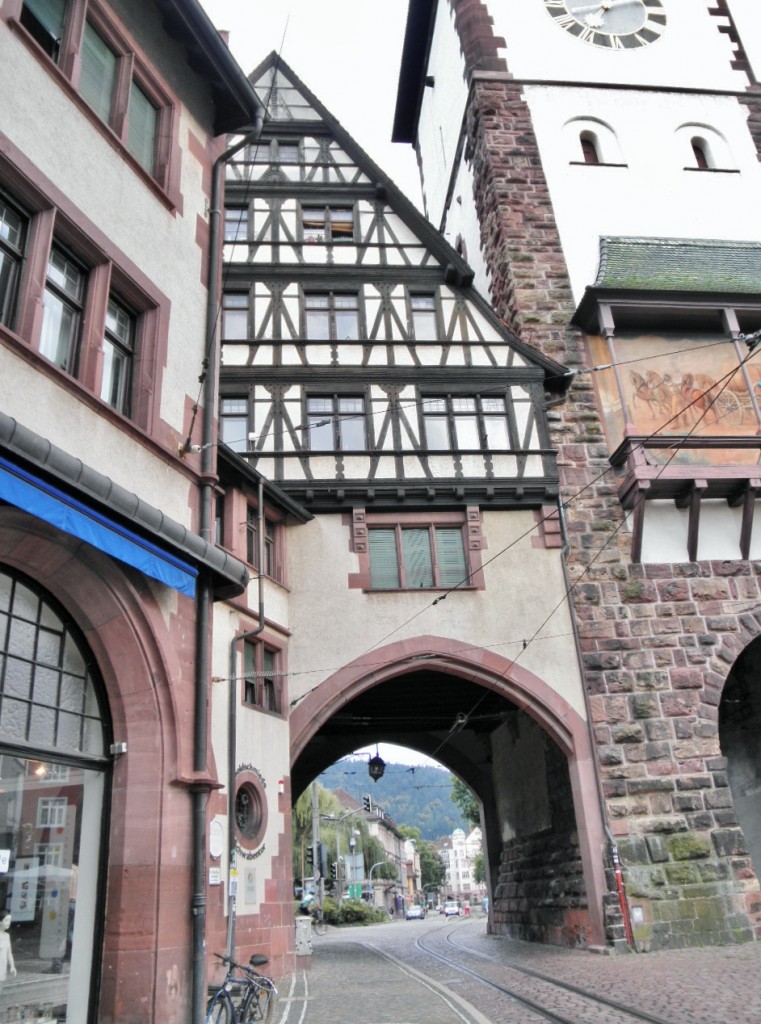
x: 141, y: 128
x: 98, y: 74
x: 450, y: 553
x: 384, y: 570
x: 416, y: 553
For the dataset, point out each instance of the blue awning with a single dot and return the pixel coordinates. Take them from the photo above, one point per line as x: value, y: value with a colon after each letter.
x: 40, y: 499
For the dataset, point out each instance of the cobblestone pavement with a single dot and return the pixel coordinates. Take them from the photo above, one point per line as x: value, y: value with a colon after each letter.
x: 379, y: 975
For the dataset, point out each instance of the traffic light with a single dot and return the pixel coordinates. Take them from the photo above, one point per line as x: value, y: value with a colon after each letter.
x: 367, y: 803
x: 334, y: 870
x: 310, y: 855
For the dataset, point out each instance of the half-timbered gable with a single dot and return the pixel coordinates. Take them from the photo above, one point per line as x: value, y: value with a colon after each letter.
x: 358, y: 363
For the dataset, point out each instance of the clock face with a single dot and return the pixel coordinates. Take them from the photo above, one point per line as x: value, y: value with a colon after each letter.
x: 610, y: 24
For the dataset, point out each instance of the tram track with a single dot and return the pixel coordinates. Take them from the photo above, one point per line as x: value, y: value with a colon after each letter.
x: 537, y: 992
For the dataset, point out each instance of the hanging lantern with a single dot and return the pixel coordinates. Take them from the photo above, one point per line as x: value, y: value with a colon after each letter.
x: 376, y: 767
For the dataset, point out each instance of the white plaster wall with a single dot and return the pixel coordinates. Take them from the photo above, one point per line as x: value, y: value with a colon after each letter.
x: 691, y: 52
x: 664, y: 535
x: 652, y: 195
x: 441, y: 114
x: 263, y: 741
x: 47, y: 126
x: 332, y: 625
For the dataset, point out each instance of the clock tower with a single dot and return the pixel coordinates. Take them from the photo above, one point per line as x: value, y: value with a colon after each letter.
x: 598, y: 166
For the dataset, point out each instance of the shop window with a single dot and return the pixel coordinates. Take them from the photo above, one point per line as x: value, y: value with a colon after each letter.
x: 262, y: 677
x: 52, y: 799
x: 122, y: 91
x: 336, y: 423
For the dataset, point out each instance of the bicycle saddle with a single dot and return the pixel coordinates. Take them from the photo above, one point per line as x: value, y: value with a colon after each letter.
x: 259, y: 960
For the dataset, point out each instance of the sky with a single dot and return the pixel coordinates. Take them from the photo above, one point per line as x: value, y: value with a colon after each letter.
x: 346, y: 51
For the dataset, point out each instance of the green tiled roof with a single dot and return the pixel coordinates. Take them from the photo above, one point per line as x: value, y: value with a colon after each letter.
x: 679, y: 264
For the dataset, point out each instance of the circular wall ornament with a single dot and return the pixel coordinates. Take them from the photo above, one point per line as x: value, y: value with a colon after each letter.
x: 610, y: 24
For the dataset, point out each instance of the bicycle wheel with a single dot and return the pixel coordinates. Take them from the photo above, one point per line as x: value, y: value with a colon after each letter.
x: 220, y: 1009
x: 319, y: 926
x: 261, y: 1006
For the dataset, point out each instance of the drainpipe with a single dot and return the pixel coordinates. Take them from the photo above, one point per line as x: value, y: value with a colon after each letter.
x: 612, y: 845
x: 232, y: 722
x: 204, y: 596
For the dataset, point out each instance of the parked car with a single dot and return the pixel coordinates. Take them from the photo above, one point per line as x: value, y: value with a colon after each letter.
x: 451, y: 908
x: 414, y: 912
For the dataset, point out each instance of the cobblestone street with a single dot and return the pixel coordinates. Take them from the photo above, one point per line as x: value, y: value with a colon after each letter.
x: 381, y: 975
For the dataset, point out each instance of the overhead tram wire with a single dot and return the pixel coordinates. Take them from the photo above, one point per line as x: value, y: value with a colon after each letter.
x: 564, y: 505
x: 724, y: 381
x: 458, y: 725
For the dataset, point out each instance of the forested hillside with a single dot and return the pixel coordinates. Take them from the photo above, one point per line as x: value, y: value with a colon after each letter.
x: 418, y: 796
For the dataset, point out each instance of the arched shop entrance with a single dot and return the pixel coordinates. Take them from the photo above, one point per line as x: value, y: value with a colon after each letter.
x: 514, y: 740
x: 53, y: 797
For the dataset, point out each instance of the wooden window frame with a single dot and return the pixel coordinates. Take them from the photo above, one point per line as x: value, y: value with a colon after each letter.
x: 453, y: 416
x: 332, y: 309
x: 260, y: 691
x: 273, y: 543
x: 469, y: 520
x: 335, y: 415
x: 326, y: 230
x: 108, y: 274
x: 16, y: 254
x: 132, y: 66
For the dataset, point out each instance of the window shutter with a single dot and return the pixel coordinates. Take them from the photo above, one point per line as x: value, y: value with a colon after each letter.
x: 141, y: 130
x: 98, y: 74
x: 450, y: 553
x: 418, y: 566
x: 384, y: 570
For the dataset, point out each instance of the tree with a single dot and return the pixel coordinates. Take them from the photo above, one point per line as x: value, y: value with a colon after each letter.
x: 433, y: 871
x: 466, y: 801
x: 479, y: 869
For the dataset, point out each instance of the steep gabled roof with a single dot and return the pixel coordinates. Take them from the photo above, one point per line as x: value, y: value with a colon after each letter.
x: 293, y: 105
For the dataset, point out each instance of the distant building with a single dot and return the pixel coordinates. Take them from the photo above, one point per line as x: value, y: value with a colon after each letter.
x: 459, y: 854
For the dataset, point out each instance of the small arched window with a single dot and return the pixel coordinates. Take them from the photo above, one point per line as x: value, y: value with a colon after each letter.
x: 589, y: 148
x: 704, y: 149
x: 700, y: 152
x: 587, y: 140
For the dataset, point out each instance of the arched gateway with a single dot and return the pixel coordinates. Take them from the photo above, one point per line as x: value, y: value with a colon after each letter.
x: 521, y: 747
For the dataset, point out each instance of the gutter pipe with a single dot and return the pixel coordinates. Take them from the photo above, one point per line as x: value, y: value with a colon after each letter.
x: 204, y: 596
x: 612, y: 845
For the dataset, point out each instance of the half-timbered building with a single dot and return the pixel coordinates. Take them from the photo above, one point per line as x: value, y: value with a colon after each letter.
x: 365, y: 379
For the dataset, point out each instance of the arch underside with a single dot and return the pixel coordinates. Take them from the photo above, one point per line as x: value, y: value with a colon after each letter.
x: 481, y: 716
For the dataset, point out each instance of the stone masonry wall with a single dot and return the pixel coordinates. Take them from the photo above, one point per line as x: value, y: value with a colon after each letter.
x: 657, y: 640
x: 540, y: 894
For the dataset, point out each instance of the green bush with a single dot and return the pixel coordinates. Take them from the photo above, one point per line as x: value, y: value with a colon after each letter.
x: 353, y: 912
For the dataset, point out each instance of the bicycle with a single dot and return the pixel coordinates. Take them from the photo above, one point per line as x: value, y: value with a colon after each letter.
x: 318, y: 922
x: 244, y: 996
